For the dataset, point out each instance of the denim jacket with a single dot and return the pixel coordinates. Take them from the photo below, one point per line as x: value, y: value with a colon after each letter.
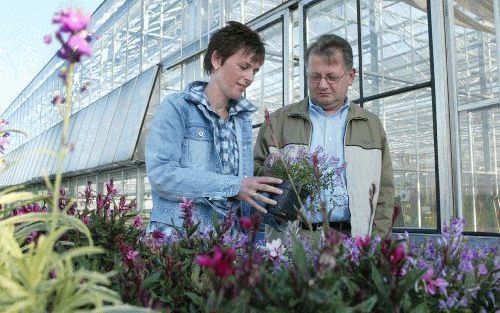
x: 182, y: 160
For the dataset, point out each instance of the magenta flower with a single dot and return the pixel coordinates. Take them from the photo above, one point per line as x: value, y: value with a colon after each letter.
x: 221, y: 262
x: 187, y: 206
x: 122, y: 205
x: 79, y: 44
x: 246, y: 223
x: 110, y: 188
x: 71, y: 20
x: 431, y: 284
x: 398, y: 255
x: 76, y: 43
x: 137, y: 221
x: 158, y: 235
x: 132, y: 255
x: 86, y: 219
x: 363, y: 243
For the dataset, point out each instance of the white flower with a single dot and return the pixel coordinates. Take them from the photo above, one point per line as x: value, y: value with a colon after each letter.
x: 275, y: 250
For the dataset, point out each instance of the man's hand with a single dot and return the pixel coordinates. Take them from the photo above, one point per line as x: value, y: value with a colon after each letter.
x: 250, y: 186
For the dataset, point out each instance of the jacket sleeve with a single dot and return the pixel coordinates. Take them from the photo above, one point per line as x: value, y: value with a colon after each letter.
x: 385, y: 203
x: 163, y: 153
x: 260, y: 151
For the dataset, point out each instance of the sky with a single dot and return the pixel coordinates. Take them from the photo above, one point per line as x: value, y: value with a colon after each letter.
x: 23, y: 23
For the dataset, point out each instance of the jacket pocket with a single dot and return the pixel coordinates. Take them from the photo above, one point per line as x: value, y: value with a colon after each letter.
x: 197, y: 145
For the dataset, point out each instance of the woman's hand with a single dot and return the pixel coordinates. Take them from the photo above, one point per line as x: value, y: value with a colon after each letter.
x: 250, y: 186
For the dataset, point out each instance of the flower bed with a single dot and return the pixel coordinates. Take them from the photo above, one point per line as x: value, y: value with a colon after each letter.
x: 220, y: 270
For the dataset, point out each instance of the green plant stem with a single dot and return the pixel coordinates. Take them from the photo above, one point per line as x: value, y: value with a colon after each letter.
x: 63, y: 147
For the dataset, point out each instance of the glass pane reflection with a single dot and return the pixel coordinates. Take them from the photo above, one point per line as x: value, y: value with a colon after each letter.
x: 408, y: 122
x: 266, y: 91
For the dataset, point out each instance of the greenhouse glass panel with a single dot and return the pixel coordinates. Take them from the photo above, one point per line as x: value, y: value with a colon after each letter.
x: 79, y: 149
x: 135, y: 115
x: 120, y: 50
x: 36, y: 152
x: 475, y: 34
x: 134, y: 39
x: 95, y: 75
x: 102, y: 132
x: 152, y: 33
x: 54, y: 145
x: 170, y: 81
x: 395, y: 41
x: 266, y: 91
x: 171, y: 30
x: 85, y: 66
x: 117, y: 123
x: 76, y: 124
x: 476, y: 52
x: 107, y: 61
x: 87, y: 145
x: 45, y: 139
x: 480, y: 156
x: 191, y: 29
x: 408, y: 122
x: 232, y: 9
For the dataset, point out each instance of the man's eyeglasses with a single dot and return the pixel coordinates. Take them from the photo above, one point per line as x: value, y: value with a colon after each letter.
x: 330, y: 78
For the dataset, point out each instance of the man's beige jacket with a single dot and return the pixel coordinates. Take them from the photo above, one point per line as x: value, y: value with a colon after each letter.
x: 366, y: 155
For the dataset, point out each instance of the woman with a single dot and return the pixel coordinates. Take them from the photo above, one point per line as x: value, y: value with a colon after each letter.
x: 200, y: 142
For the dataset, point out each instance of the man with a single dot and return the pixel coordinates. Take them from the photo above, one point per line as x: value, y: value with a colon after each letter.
x: 327, y: 119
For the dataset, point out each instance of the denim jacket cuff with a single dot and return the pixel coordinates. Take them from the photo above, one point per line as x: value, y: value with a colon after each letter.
x: 232, y: 187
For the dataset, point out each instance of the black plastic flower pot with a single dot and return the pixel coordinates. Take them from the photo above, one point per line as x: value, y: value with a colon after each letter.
x: 287, y: 203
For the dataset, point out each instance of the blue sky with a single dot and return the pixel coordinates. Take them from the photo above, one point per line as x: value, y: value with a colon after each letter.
x: 23, y: 54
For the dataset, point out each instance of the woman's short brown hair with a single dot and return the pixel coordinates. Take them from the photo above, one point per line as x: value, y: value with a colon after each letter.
x: 229, y: 40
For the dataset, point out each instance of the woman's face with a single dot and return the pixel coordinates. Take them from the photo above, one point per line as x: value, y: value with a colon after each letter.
x: 235, y: 75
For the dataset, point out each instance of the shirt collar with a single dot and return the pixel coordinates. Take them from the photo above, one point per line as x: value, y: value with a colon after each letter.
x: 317, y: 109
x: 195, y: 92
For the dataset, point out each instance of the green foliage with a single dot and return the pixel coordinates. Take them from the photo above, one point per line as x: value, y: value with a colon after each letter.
x: 36, y: 278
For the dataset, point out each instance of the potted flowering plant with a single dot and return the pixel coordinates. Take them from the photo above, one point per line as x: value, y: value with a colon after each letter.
x: 304, y: 175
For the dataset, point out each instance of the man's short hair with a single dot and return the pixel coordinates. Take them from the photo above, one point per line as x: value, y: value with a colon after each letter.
x: 229, y: 40
x: 326, y: 45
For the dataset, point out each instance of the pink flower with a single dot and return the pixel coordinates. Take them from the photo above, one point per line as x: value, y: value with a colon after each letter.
x: 363, y: 243
x: 110, y: 188
x: 47, y: 39
x: 398, y: 255
x: 71, y: 20
x: 431, y: 284
x: 187, y: 206
x: 86, y: 219
x: 221, y: 262
x: 246, y: 223
x: 137, y: 221
x: 132, y: 254
x: 158, y: 235
x: 79, y: 44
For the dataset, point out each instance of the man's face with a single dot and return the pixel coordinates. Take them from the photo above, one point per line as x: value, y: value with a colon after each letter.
x: 236, y: 74
x: 330, y: 90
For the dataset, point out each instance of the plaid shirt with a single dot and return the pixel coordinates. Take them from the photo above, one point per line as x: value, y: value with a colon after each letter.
x: 224, y: 130
x: 224, y: 133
